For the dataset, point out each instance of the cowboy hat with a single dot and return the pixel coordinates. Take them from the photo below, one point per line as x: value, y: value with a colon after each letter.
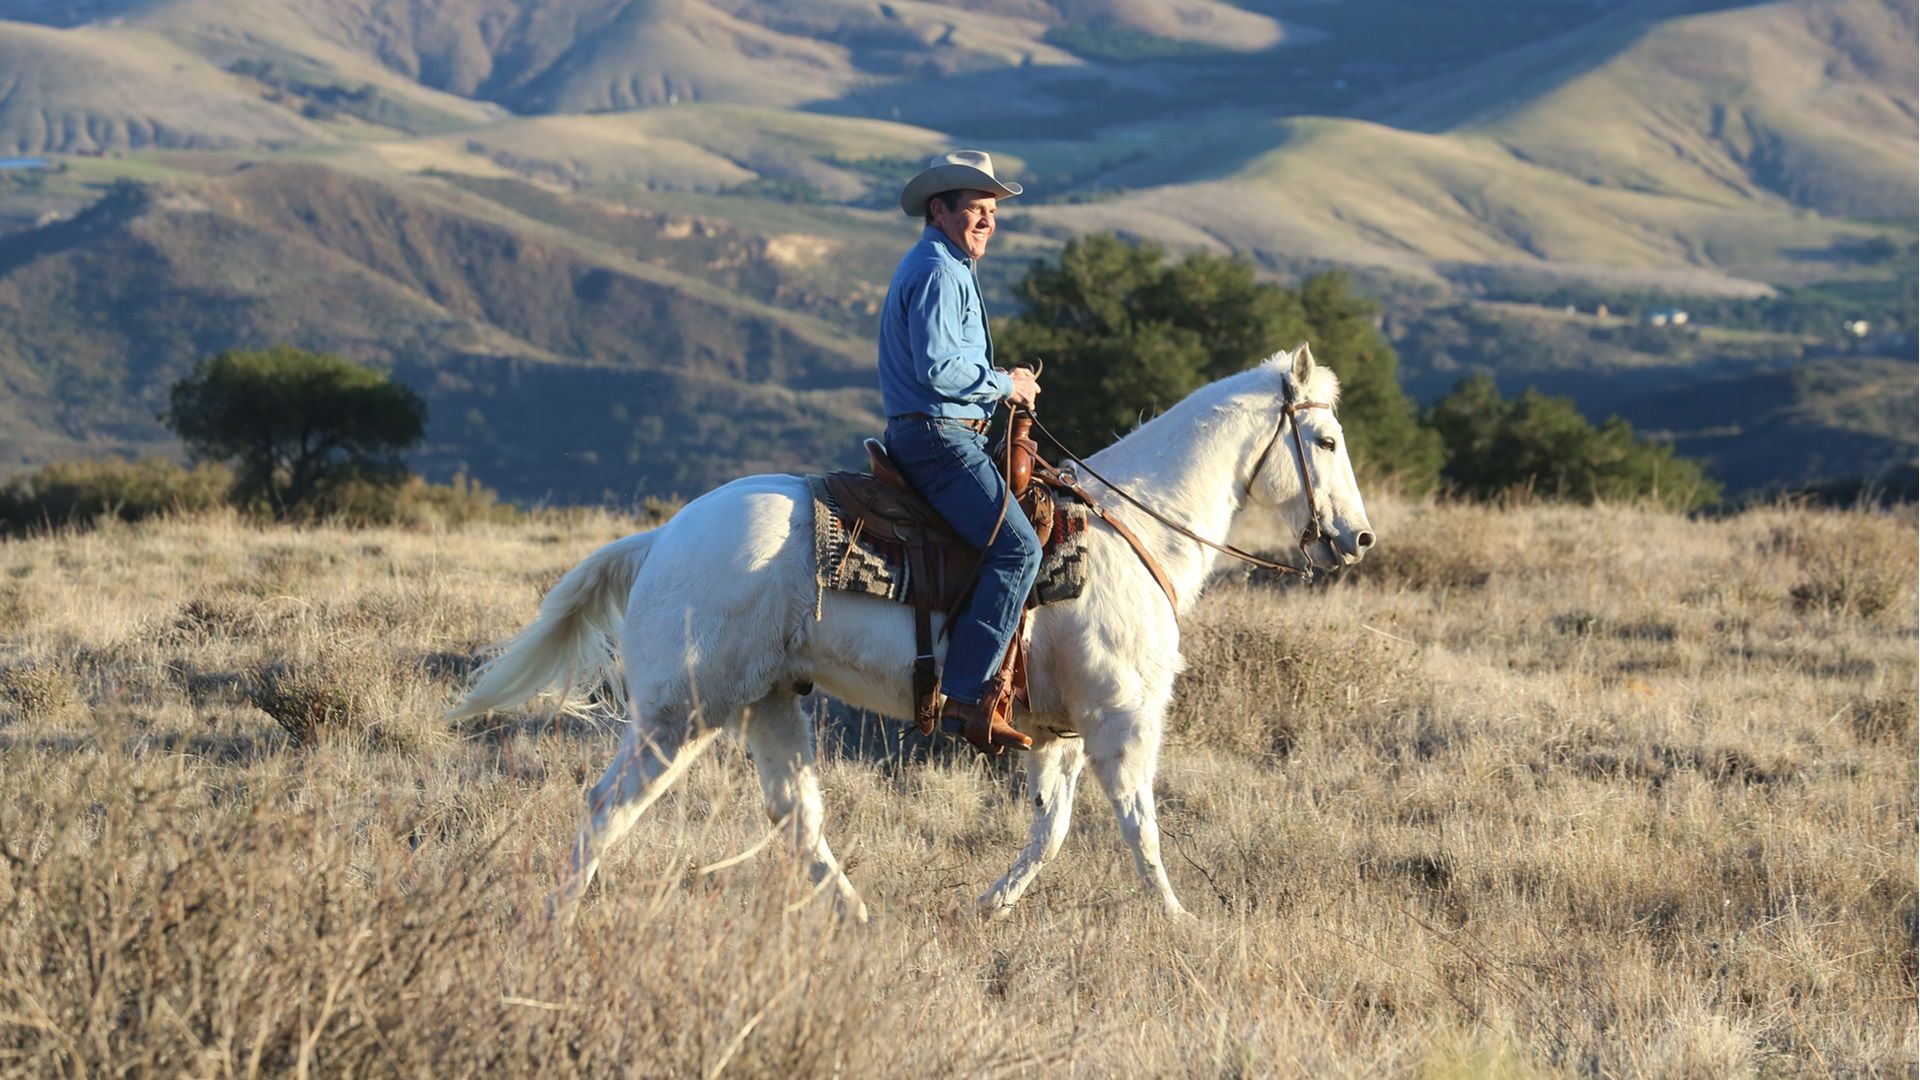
x: 962, y: 170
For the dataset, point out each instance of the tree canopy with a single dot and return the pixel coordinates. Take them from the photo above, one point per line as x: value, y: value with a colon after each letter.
x: 1126, y: 333
x: 1541, y: 444
x: 294, y: 422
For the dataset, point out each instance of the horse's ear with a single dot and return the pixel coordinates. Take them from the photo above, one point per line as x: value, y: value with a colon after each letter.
x: 1301, y: 361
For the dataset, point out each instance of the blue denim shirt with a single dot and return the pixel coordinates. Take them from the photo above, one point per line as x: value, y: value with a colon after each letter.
x: 936, y: 356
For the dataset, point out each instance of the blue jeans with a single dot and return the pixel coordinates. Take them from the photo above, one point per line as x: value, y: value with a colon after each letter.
x: 949, y: 465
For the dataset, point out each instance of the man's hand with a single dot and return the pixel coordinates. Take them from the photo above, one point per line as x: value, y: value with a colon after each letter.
x: 1026, y: 387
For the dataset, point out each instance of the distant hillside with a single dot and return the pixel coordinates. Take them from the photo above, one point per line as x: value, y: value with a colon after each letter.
x: 1850, y: 417
x: 597, y: 55
x: 1810, y: 104
x: 87, y: 91
x: 686, y: 202
x: 1686, y: 152
x: 110, y: 307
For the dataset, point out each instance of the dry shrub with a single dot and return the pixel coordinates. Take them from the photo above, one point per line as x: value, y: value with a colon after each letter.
x: 212, y: 616
x: 1860, y: 564
x: 288, y: 569
x: 79, y: 492
x: 20, y: 606
x: 1890, y: 718
x: 1583, y: 623
x: 1259, y: 684
x: 305, y: 701
x: 1444, y: 547
x: 341, y: 693
x: 409, y: 502
x: 38, y: 691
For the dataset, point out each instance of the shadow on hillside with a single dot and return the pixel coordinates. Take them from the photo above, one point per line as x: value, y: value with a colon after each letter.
x: 49, y: 744
x: 1402, y: 63
x: 592, y: 434
x: 222, y: 749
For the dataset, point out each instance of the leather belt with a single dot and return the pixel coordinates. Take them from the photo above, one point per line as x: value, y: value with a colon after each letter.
x: 978, y: 427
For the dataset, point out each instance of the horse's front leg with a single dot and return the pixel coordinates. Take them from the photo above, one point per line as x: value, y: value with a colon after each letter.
x: 1125, y: 748
x: 1053, y: 771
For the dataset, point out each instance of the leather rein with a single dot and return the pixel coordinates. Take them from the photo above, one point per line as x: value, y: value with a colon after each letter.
x: 1288, y: 423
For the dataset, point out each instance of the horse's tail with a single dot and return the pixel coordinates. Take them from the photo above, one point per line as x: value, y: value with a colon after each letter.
x: 572, y: 640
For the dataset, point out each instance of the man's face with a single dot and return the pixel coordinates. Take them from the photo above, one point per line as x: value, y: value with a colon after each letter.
x: 969, y: 224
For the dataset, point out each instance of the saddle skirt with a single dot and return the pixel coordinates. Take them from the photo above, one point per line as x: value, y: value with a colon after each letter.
x: 865, y: 525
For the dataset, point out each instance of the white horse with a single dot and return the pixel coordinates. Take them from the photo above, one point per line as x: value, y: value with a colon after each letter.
x: 715, y: 615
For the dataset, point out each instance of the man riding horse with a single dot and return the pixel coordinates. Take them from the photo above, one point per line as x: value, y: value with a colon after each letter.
x: 940, y: 388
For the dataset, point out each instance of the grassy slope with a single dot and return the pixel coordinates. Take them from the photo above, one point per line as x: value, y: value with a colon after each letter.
x: 92, y: 90
x: 690, y: 148
x: 1539, y: 791
x: 1801, y: 104
x: 295, y: 40
x: 1683, y: 155
x: 1353, y: 192
x: 595, y: 55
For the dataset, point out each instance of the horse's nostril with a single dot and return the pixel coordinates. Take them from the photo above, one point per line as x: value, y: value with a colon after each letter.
x: 1365, y: 539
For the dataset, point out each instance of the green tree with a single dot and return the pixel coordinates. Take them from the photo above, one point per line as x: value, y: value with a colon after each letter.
x: 294, y: 422
x: 1126, y: 334
x: 1383, y: 429
x: 1541, y: 444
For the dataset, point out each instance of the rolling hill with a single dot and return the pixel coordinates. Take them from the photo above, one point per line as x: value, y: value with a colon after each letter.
x: 92, y: 90
x: 1809, y: 105
x: 665, y: 205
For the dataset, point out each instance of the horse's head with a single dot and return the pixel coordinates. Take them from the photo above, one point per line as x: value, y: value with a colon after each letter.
x: 1305, y: 472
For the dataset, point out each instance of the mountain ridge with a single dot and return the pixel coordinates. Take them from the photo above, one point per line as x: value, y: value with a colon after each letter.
x: 349, y: 176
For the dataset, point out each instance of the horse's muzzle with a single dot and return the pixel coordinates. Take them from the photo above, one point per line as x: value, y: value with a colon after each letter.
x: 1352, y: 547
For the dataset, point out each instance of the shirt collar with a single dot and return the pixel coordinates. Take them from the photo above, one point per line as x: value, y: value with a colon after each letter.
x: 953, y: 249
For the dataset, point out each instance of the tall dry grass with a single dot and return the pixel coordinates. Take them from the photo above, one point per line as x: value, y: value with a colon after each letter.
x: 1538, y: 791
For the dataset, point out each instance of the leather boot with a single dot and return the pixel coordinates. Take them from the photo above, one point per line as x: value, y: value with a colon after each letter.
x: 981, y: 727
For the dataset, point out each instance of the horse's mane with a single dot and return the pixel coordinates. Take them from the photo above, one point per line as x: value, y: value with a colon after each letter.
x: 1264, y: 378
x: 1234, y: 393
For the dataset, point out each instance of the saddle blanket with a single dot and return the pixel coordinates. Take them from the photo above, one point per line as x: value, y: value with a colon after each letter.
x: 873, y: 566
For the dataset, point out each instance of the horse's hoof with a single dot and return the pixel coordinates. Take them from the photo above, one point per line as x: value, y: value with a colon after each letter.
x: 992, y: 910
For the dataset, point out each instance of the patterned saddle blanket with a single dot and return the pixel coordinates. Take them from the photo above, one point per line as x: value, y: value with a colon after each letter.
x: 860, y: 561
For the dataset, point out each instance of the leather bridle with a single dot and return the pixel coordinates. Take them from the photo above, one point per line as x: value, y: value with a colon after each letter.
x: 1314, y: 532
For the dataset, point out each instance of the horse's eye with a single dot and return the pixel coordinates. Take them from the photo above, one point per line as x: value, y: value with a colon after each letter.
x: 1326, y: 442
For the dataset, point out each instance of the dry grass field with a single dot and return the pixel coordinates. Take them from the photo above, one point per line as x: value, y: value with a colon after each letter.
x: 1535, y: 791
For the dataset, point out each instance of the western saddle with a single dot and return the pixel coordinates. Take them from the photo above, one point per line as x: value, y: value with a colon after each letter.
x: 942, y: 568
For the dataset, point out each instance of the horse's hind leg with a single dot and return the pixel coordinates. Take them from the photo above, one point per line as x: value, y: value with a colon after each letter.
x: 781, y: 740
x: 1125, y: 749
x: 1053, y: 772
x: 652, y: 755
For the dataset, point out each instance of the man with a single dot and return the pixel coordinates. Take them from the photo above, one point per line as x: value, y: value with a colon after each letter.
x: 940, y: 388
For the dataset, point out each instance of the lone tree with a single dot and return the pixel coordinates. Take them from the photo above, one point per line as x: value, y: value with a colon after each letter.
x: 1126, y: 333
x: 293, y: 422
